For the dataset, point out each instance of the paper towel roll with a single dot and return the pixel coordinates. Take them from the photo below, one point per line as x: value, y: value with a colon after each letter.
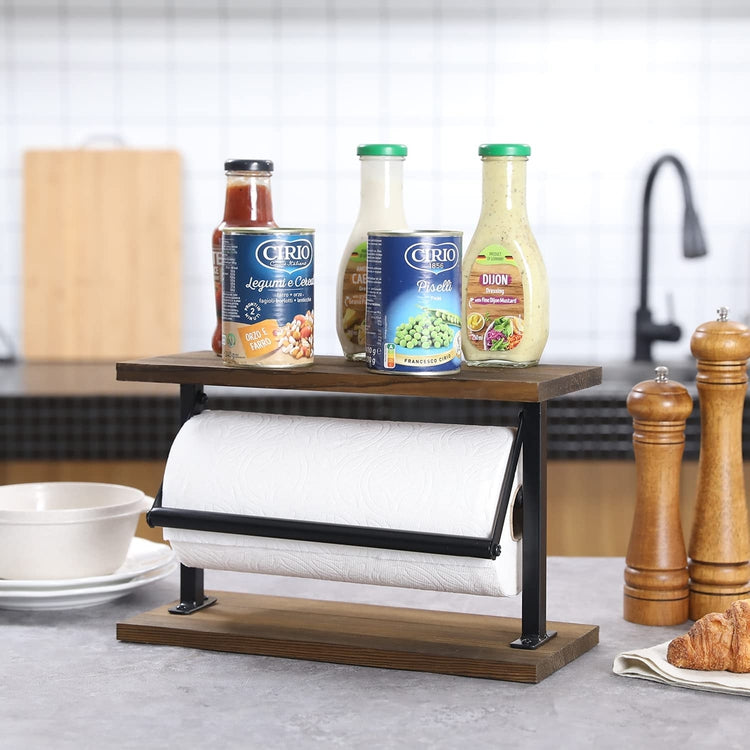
x: 398, y: 475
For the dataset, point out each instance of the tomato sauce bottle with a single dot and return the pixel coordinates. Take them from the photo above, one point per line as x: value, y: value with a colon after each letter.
x: 247, y: 204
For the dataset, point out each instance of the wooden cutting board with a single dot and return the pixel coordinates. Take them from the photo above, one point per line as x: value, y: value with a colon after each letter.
x: 102, y: 254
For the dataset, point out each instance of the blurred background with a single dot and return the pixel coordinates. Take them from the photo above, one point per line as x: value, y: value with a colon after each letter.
x: 598, y: 88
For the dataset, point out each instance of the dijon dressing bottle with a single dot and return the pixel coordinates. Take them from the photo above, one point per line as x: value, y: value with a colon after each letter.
x: 381, y: 208
x: 505, y: 291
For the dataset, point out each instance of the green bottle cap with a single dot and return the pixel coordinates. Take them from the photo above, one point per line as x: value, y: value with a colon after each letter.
x: 381, y: 149
x: 504, y: 149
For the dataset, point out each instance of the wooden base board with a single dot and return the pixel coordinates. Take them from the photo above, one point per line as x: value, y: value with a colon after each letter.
x: 646, y: 611
x: 363, y: 634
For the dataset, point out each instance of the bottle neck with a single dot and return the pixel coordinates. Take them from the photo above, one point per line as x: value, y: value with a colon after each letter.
x: 381, y: 191
x: 248, y: 200
x: 504, y: 185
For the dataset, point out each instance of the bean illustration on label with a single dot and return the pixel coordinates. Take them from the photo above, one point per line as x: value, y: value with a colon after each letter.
x: 268, y: 290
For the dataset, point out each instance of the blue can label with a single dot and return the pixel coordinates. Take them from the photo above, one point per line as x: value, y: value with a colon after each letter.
x: 414, y: 302
x: 267, y: 298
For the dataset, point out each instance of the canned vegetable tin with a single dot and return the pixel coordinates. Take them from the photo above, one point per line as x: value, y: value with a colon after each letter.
x: 267, y: 297
x: 413, y: 315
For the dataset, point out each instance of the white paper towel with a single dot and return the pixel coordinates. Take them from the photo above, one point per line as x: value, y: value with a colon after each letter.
x: 399, y: 475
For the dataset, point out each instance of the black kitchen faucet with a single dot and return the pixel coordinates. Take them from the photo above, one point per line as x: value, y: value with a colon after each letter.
x: 693, y: 246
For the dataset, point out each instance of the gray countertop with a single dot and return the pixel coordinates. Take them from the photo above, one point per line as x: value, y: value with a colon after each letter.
x: 68, y: 683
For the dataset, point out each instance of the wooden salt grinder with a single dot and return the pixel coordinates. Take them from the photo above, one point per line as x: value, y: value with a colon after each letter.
x: 656, y: 574
x: 719, y: 549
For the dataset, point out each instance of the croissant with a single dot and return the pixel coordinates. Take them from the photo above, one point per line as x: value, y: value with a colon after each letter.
x: 716, y: 642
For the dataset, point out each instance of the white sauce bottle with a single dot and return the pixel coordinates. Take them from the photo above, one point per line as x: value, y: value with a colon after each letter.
x: 505, y: 291
x: 381, y: 208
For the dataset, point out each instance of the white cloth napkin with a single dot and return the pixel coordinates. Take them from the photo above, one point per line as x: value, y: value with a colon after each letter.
x: 651, y: 664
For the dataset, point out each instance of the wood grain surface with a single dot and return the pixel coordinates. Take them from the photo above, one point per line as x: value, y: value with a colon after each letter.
x: 336, y: 374
x: 102, y: 254
x: 719, y: 548
x: 656, y: 575
x: 364, y: 634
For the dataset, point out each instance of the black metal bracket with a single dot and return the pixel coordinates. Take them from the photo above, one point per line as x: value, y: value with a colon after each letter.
x: 192, y: 597
x: 192, y: 401
x: 506, y: 487
x: 531, y: 642
x: 533, y: 424
x: 531, y: 435
x: 359, y: 536
x: 329, y: 533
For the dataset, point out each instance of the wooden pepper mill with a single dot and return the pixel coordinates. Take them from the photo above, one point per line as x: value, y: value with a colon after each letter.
x: 656, y: 573
x: 719, y: 549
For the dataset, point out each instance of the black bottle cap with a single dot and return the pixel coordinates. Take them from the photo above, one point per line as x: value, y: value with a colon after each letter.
x: 248, y: 165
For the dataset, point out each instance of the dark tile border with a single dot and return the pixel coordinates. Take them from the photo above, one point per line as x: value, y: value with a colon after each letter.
x: 135, y: 427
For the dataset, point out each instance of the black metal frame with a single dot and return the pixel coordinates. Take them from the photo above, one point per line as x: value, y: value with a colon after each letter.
x: 531, y: 435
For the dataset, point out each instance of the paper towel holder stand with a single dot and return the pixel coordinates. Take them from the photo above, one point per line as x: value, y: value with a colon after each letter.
x: 192, y: 597
x: 545, y: 653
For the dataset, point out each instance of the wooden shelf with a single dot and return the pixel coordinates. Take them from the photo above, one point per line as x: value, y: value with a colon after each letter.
x: 336, y: 374
x: 363, y: 634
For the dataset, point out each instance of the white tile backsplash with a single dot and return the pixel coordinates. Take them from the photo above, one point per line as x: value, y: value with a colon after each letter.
x: 11, y: 261
x: 145, y: 38
x: 728, y: 146
x: 132, y: 133
x: 249, y: 137
x: 39, y: 95
x: 410, y: 95
x: 202, y: 144
x: 198, y: 311
x: 196, y: 38
x: 32, y: 43
x: 725, y: 202
x: 91, y: 94
x: 200, y: 92
x: 724, y: 99
x: 11, y: 316
x: 89, y: 38
x: 304, y: 93
x: 464, y: 46
x: 249, y: 91
x: 599, y: 89
x: 251, y: 46
x: 727, y: 44
x: 304, y: 146
x: 353, y: 42
x: 676, y: 42
x: 152, y: 102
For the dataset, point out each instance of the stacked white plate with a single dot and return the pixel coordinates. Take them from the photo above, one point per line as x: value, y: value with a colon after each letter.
x: 145, y: 563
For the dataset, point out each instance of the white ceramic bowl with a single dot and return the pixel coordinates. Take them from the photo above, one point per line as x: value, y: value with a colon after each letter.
x: 58, y: 530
